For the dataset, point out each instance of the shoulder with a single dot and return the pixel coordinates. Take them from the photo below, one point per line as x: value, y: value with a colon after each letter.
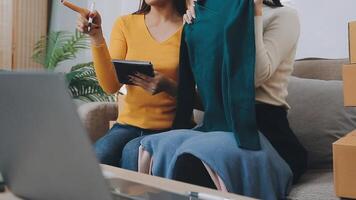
x: 284, y: 20
x: 127, y: 21
x: 284, y: 15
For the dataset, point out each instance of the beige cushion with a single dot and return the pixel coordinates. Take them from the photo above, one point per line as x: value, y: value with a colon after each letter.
x: 96, y: 117
x: 322, y: 69
x: 318, y: 117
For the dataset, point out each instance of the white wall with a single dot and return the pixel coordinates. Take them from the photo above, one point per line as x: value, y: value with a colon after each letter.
x: 63, y: 19
x: 112, y: 9
x: 109, y: 10
x: 324, y: 27
x: 129, y: 6
x: 323, y: 23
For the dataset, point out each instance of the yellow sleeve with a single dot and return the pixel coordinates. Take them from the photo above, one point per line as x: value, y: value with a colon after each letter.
x: 102, y: 58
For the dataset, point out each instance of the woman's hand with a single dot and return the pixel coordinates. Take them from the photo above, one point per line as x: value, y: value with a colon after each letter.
x: 154, y: 85
x: 95, y: 33
x: 190, y: 14
x: 258, y: 7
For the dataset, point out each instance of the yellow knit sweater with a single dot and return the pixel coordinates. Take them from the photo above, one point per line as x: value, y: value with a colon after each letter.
x: 131, y: 40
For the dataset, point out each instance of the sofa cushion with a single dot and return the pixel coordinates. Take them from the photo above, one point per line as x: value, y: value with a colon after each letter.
x: 316, y: 185
x: 322, y: 69
x: 318, y: 117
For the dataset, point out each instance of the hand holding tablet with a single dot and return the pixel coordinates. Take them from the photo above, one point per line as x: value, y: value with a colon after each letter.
x: 125, y: 69
x: 142, y: 74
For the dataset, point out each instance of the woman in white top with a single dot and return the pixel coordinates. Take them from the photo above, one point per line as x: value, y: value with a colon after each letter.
x: 277, y: 31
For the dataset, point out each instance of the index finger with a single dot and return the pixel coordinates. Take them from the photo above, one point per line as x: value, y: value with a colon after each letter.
x: 72, y: 6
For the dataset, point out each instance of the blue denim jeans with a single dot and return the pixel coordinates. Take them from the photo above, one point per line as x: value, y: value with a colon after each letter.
x: 129, y: 159
x: 109, y: 148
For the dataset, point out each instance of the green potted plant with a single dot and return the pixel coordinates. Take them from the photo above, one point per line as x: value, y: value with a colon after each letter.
x: 61, y: 46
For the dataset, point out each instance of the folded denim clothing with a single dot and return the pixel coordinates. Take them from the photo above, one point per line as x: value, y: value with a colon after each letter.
x: 259, y: 174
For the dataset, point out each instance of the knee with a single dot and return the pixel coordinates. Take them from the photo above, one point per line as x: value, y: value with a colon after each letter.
x: 131, y: 148
x: 130, y: 155
x: 108, y: 158
x: 107, y: 153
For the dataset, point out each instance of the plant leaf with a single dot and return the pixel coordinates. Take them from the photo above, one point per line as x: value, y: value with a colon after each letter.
x: 84, y: 85
x: 59, y: 46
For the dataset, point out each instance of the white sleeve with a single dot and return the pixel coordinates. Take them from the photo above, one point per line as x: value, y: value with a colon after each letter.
x: 274, y: 43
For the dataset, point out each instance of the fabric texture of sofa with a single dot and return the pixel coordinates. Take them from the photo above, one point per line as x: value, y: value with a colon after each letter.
x: 318, y: 118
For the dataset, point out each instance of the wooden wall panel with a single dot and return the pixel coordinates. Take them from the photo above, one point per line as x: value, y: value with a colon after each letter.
x: 30, y: 24
x: 6, y: 34
x: 22, y: 24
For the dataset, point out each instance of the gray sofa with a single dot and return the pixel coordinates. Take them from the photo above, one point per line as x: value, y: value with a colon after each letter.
x: 317, y: 117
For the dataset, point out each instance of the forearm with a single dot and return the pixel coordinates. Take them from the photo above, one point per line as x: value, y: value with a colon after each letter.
x: 104, y: 68
x: 263, y: 69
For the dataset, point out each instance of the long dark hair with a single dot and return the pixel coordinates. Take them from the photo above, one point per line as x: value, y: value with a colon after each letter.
x: 180, y: 6
x: 273, y: 3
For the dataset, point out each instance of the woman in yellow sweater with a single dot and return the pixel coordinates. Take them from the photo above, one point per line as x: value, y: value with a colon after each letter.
x: 151, y: 34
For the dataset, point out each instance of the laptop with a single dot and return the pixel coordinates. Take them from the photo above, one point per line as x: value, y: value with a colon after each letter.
x: 45, y: 153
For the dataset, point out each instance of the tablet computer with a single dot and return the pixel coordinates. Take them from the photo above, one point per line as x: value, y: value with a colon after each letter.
x: 125, y: 68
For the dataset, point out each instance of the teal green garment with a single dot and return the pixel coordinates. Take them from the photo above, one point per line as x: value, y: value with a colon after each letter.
x: 218, y: 56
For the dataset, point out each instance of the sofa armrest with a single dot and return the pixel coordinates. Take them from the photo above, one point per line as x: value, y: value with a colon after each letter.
x: 96, y: 117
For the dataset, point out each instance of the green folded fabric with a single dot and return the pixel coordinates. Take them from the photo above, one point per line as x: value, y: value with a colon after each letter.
x: 218, y: 56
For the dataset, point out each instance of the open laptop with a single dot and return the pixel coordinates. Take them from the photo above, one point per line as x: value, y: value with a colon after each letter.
x: 44, y: 151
